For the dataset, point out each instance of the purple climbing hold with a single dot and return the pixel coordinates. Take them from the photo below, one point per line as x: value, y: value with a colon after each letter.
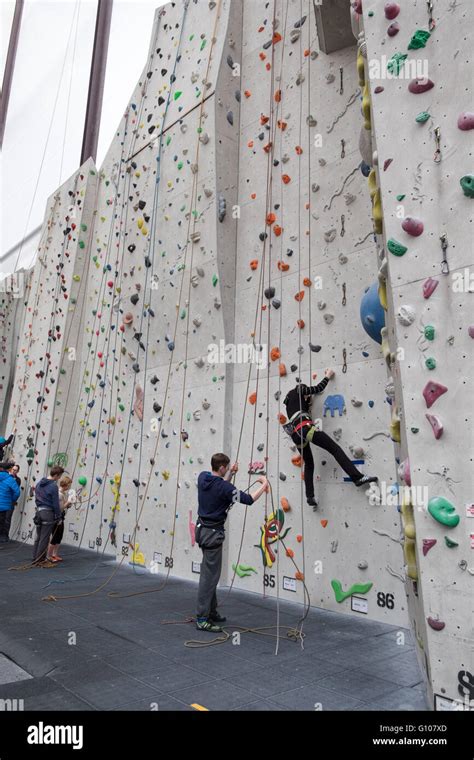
x: 466, y: 120
x: 405, y: 467
x: 393, y: 29
x: 379, y: 89
x: 428, y: 544
x: 417, y: 86
x: 387, y: 163
x: 436, y: 424
x: 436, y: 625
x: 429, y: 287
x: 391, y: 10
x: 432, y: 391
x: 412, y: 226
x: 470, y: 330
x: 357, y: 5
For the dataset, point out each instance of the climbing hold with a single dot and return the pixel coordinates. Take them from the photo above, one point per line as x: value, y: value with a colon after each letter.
x: 396, y: 63
x: 135, y: 299
x: 419, y: 39
x: 406, y: 314
x: 430, y: 363
x: 398, y: 249
x: 466, y: 120
x: 230, y: 118
x: 243, y: 570
x: 436, y: 625
x: 412, y: 226
x: 356, y: 588
x: 254, y: 264
x: 282, y: 370
x: 436, y: 425
x: 314, y: 348
x: 418, y: 86
x: 422, y: 117
x: 252, y: 398
x: 467, y: 184
x: 276, y: 303
x: 449, y: 543
x: 432, y: 391
x: 393, y: 29
x: 429, y: 287
x: 372, y: 314
x: 429, y: 332
x: 391, y: 10
x: 275, y: 354
x: 470, y: 330
x: 82, y: 480
x: 324, y: 523
x: 269, y: 292
x: 363, y: 564
x: 428, y: 544
x: 443, y: 511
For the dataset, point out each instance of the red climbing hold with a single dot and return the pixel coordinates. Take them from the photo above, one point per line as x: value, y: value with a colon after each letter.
x: 432, y: 391
x: 417, y: 86
x: 412, y: 226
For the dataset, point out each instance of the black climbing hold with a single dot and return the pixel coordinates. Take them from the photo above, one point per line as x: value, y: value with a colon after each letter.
x: 238, y: 96
x: 156, y: 407
x: 294, y: 367
x: 136, y: 482
x: 135, y: 299
x: 263, y: 236
x: 154, y: 380
x: 269, y: 292
x: 161, y: 100
x: 289, y: 252
x: 314, y: 348
x: 141, y: 205
x: 230, y: 61
x: 230, y: 118
x: 300, y: 22
x: 276, y: 303
x: 147, y: 262
x: 136, y: 367
x: 131, y: 248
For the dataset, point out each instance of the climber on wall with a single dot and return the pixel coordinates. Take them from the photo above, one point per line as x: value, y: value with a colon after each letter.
x: 303, y: 432
x: 216, y: 496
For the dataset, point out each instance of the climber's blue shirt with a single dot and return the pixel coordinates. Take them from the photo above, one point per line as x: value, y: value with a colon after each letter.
x: 216, y: 496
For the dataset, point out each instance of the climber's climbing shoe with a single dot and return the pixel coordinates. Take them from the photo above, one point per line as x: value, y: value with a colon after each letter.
x: 312, y: 503
x: 364, y: 480
x: 207, y: 625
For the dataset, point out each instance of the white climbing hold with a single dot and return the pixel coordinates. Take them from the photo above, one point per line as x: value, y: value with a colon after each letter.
x: 356, y: 402
x: 328, y: 318
x: 406, y: 315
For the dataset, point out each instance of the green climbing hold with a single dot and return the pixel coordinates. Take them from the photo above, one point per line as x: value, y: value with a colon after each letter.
x: 203, y: 44
x: 83, y: 227
x: 76, y: 278
x: 243, y: 570
x: 82, y: 480
x: 370, y: 13
x: 430, y: 363
x: 215, y: 279
x: 429, y: 332
x: 396, y: 63
x: 214, y: 379
x: 121, y: 407
x: 82, y: 244
x: 62, y: 371
x: 356, y: 588
x: 168, y: 140
x: 180, y: 165
x: 422, y: 117
x: 450, y: 544
x: 400, y: 197
x: 50, y: 462
x: 467, y: 184
x: 415, y: 430
x: 443, y: 511
x: 398, y: 249
x: 177, y: 94
x: 419, y: 39
x: 183, y: 314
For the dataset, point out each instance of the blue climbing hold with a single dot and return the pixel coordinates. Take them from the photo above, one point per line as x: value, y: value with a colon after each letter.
x: 372, y: 314
x: 371, y: 404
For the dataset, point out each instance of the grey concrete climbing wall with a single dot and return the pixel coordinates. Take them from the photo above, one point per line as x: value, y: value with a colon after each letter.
x: 422, y: 174
x: 233, y: 209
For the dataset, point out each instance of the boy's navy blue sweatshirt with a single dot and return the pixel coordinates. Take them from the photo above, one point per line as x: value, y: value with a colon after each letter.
x: 216, y: 496
x: 47, y: 495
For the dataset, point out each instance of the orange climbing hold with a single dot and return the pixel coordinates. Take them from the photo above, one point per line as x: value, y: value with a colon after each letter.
x: 282, y: 419
x: 296, y: 461
x: 264, y: 119
x: 262, y: 56
x: 275, y: 354
x: 299, y: 296
x: 254, y: 264
x: 286, y: 179
x: 276, y: 38
x: 282, y: 266
x: 299, y: 538
x: 306, y: 53
x: 253, y: 196
x: 277, y: 230
x: 307, y: 282
x: 247, y: 93
x: 290, y: 553
x: 250, y: 144
x: 282, y: 370
x: 271, y: 218
x: 299, y: 576
x: 253, y: 398
x: 267, y: 148
x: 282, y: 125
x: 278, y: 96
x: 299, y: 150
x: 285, y: 504
x: 324, y: 523
x: 301, y: 323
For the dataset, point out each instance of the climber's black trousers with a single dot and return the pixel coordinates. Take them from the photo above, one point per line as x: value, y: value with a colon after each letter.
x: 324, y: 442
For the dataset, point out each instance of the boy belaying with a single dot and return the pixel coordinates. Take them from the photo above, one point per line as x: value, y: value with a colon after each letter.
x: 216, y: 496
x: 303, y: 432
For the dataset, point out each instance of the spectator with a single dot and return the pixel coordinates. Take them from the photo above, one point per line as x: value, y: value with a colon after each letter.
x: 48, y: 512
x: 9, y: 494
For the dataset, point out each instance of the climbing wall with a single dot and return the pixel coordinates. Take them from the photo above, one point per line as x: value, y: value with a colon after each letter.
x: 306, y: 256
x: 13, y: 294
x: 233, y: 209
x: 46, y: 315
x: 422, y: 190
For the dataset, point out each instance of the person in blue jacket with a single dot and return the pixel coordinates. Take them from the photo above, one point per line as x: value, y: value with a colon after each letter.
x: 216, y: 496
x: 48, y: 512
x: 9, y: 494
x: 4, y: 442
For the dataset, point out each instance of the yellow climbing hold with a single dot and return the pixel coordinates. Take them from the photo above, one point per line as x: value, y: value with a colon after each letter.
x: 166, y: 474
x: 361, y: 68
x: 138, y: 558
x: 366, y: 106
x: 377, y: 213
x: 140, y: 223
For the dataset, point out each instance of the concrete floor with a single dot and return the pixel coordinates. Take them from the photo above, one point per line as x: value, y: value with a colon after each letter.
x: 124, y: 658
